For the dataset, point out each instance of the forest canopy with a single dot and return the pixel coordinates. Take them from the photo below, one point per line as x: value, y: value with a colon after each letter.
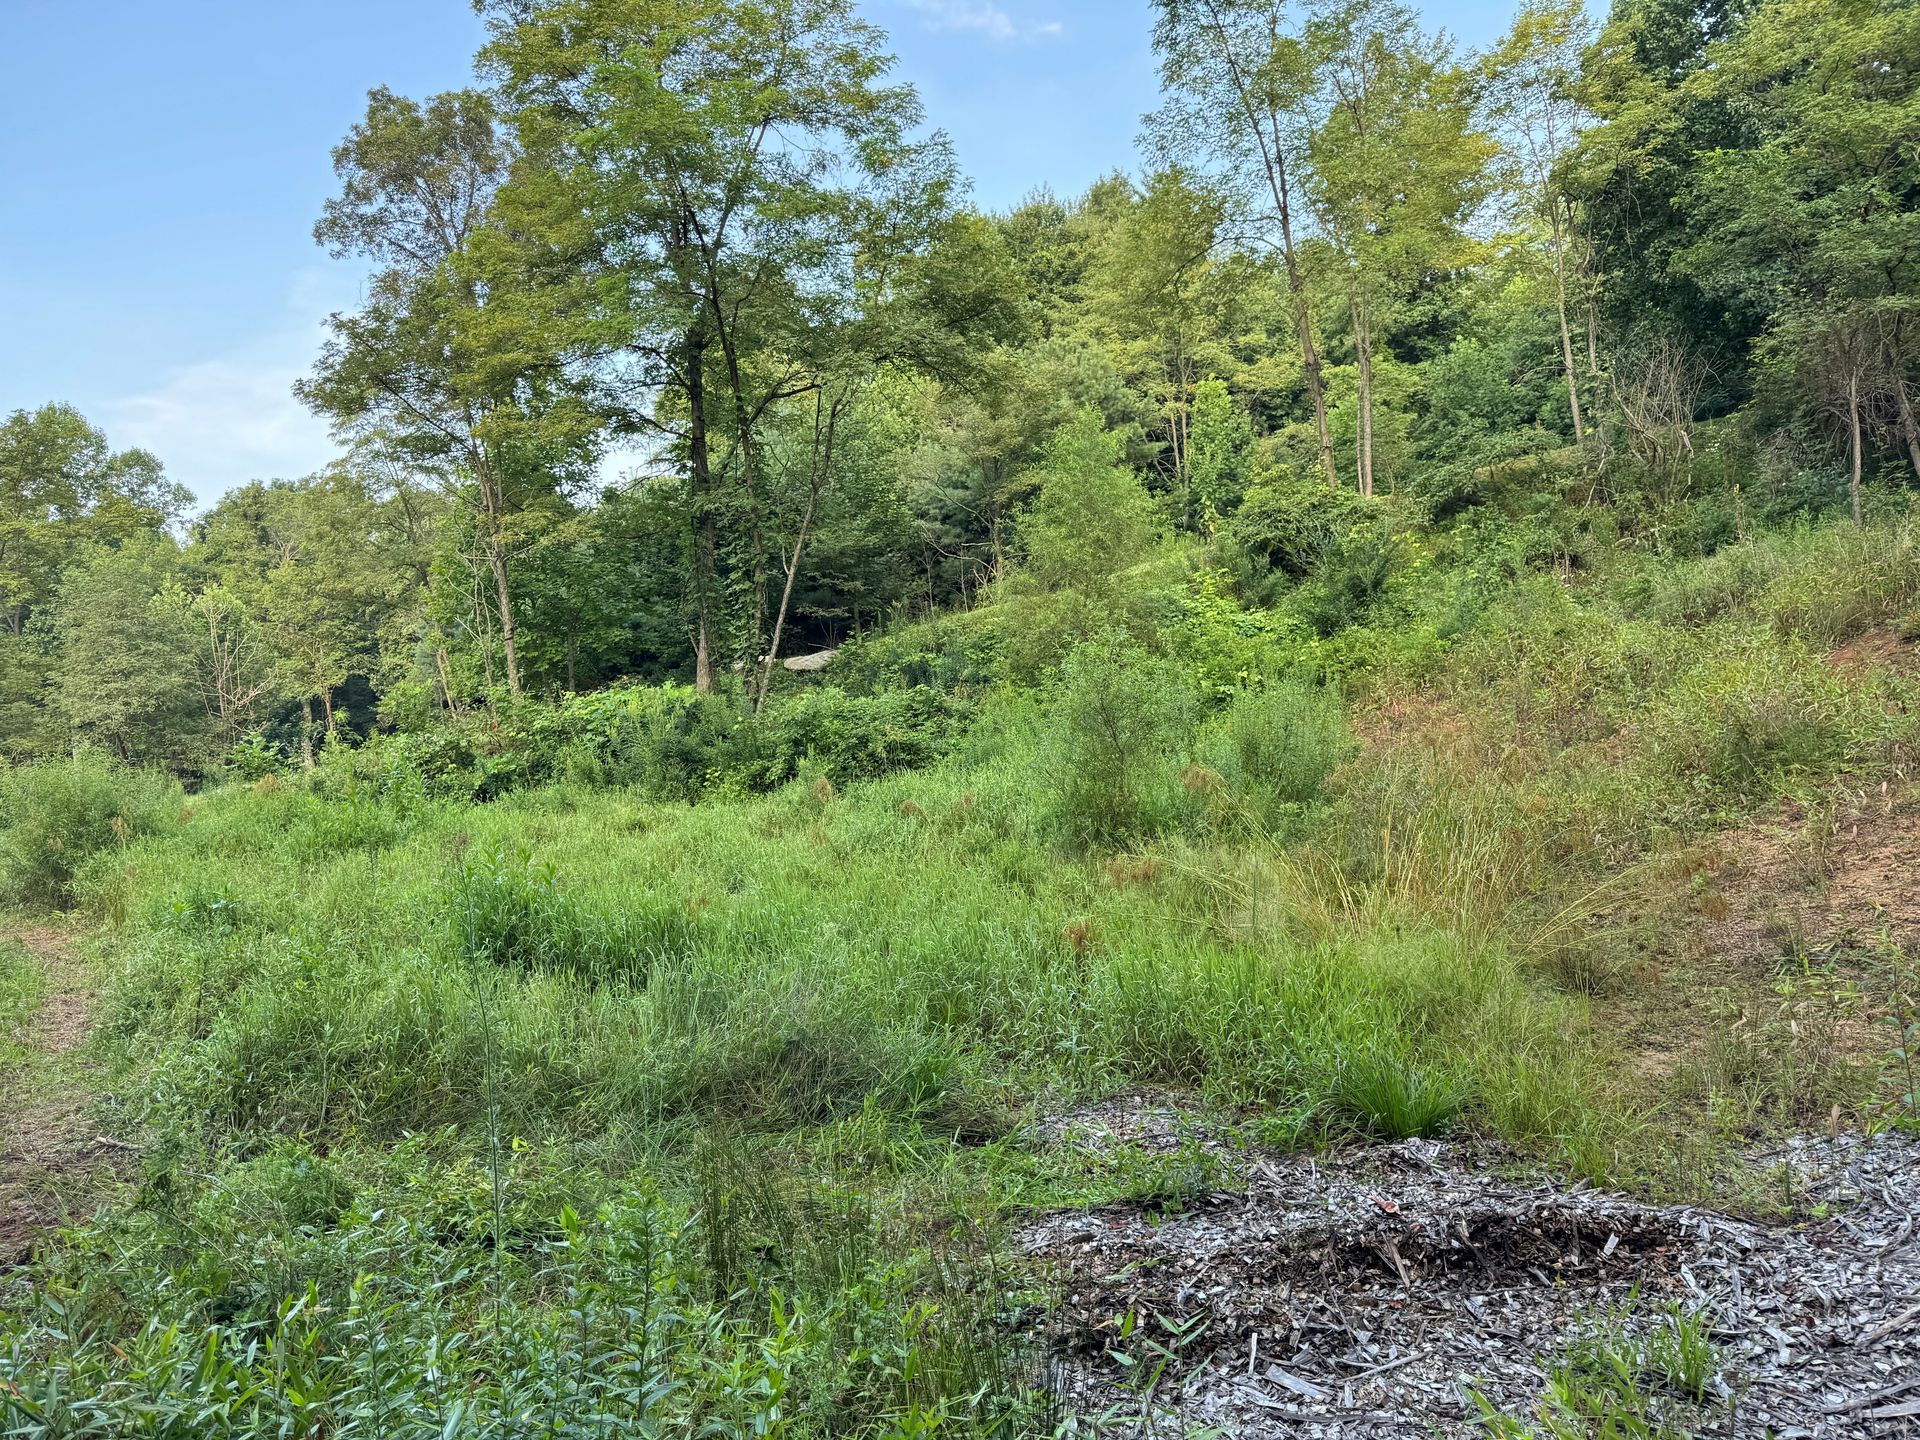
x: 684, y: 353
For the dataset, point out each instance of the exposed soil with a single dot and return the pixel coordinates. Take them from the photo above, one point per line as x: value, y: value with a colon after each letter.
x: 1375, y: 1292
x: 1831, y: 893
x: 53, y: 1163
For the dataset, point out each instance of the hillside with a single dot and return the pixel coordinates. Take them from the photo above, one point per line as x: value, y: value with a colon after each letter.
x: 1275, y: 799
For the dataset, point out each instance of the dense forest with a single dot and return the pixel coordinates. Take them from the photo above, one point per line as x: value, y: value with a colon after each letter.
x: 666, y: 381
x: 1392, y: 621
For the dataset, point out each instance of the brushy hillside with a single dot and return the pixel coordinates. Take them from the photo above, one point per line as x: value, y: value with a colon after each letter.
x: 635, y: 1063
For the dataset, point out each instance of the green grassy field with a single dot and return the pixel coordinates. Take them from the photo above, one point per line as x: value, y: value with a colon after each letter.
x: 587, y: 1110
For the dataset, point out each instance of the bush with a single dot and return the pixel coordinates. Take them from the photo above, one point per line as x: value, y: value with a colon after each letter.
x: 1113, y: 760
x: 848, y: 737
x: 1274, y: 750
x: 667, y: 740
x: 1285, y: 529
x: 55, y: 814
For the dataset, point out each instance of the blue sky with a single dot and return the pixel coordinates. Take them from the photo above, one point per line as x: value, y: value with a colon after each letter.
x: 166, y: 164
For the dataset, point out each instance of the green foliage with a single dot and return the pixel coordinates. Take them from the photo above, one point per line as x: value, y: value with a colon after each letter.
x: 1113, y: 758
x: 1274, y: 750
x: 668, y: 741
x: 55, y: 815
x: 1092, y: 518
x: 20, y: 989
x: 508, y: 910
x: 1285, y: 530
x: 849, y: 737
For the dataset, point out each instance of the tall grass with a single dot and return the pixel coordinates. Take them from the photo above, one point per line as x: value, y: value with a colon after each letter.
x: 590, y: 1108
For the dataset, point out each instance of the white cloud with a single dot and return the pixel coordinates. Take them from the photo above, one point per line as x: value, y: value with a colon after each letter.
x: 985, y: 17
x: 221, y: 421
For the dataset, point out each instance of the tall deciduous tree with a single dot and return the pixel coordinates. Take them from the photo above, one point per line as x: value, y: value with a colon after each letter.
x: 1238, y: 89
x: 447, y: 358
x: 1534, y: 76
x: 1398, y: 167
x: 1167, y: 300
x: 717, y: 167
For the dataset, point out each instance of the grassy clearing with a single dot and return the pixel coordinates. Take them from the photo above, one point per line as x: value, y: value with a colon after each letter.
x: 594, y: 1102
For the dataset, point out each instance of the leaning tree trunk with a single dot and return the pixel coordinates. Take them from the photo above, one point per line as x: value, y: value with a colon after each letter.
x: 1363, y: 354
x: 1909, y: 428
x: 817, y: 485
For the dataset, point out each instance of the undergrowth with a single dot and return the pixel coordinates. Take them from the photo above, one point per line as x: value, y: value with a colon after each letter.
x: 591, y: 1111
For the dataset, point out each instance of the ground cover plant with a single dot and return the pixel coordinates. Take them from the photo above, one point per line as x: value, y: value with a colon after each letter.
x: 585, y: 1100
x: 1395, y: 624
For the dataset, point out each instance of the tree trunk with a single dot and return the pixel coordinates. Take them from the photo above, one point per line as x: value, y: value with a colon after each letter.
x: 1908, y: 427
x: 705, y: 542
x: 444, y: 669
x: 1303, y: 322
x: 1363, y: 355
x: 1853, y: 425
x: 503, y: 596
x: 1566, y: 335
x: 306, y: 732
x: 819, y: 483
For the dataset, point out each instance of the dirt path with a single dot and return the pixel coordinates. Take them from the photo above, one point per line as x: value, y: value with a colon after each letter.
x: 51, y: 1164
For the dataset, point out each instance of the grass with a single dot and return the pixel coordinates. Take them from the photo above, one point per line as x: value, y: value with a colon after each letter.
x: 20, y: 988
x: 591, y: 1111
x: 1626, y: 1375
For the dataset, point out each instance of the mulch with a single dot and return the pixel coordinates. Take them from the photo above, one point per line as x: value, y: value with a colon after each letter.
x: 1377, y: 1291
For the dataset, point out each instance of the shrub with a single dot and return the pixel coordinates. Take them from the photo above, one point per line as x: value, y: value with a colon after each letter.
x: 1274, y: 750
x: 1113, y: 762
x: 54, y: 814
x: 1285, y: 529
x: 668, y: 740
x: 850, y: 737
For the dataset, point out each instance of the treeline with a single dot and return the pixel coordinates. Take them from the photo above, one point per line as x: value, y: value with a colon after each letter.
x: 684, y: 352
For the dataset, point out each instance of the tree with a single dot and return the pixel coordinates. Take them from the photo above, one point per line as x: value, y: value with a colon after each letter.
x: 1534, y: 74
x: 1238, y: 89
x: 1168, y: 303
x: 1398, y: 167
x: 1091, y: 516
x: 125, y: 673
x: 63, y: 489
x: 1222, y: 462
x: 447, y: 359
x: 316, y: 571
x: 1636, y: 161
x: 1811, y: 221
x: 716, y: 166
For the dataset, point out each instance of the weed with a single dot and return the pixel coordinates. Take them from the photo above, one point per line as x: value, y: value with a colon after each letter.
x: 1624, y: 1376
